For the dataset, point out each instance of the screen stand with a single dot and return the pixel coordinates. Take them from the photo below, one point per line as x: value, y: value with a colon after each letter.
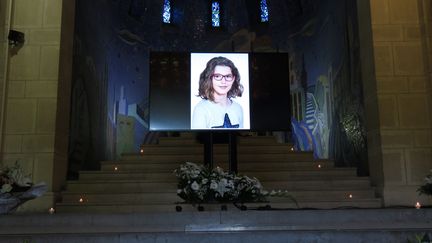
x: 208, y: 150
x: 232, y: 150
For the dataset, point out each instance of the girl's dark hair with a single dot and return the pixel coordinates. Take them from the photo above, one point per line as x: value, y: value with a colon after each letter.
x: 206, y: 90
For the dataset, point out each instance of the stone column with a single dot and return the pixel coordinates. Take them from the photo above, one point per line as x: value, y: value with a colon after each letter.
x: 5, y: 14
x: 426, y: 28
x: 30, y: 115
x: 404, y: 97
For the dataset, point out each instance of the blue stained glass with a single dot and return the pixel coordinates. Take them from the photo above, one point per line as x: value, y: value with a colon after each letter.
x: 264, y: 11
x: 166, y: 15
x: 215, y: 14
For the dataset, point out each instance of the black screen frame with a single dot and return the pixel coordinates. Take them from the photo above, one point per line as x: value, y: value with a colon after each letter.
x: 270, y: 102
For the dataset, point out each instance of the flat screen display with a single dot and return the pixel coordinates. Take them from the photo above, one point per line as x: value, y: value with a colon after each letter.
x: 219, y: 91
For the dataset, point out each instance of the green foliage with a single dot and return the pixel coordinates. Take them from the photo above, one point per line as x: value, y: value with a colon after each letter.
x: 420, y: 238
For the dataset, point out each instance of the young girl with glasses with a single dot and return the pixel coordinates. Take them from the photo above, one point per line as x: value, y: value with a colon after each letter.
x: 218, y: 84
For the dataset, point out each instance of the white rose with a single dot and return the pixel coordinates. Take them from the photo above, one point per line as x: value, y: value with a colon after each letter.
x: 195, y: 186
x: 6, y: 188
x: 230, y: 183
x: 213, y: 185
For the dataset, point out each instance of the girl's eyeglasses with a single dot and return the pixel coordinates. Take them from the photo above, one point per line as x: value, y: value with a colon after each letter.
x: 219, y: 77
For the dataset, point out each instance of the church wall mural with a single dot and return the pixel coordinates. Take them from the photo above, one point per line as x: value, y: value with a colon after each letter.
x: 113, y: 39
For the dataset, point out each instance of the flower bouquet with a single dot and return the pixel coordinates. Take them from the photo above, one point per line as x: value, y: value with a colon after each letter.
x: 198, y: 184
x: 427, y: 187
x: 17, y: 188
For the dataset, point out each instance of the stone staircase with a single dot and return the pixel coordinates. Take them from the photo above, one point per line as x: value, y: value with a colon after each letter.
x: 252, y: 226
x: 146, y: 183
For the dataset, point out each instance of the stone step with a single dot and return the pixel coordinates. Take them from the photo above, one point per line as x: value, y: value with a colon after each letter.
x: 282, y: 165
x: 326, y: 195
x: 241, y: 140
x: 146, y: 183
x: 256, y: 140
x: 118, y: 208
x: 188, y: 134
x: 260, y: 174
x: 273, y: 175
x: 243, y: 166
x: 233, y: 225
x: 133, y: 198
x: 164, y: 158
x: 170, y: 197
x: 272, y: 220
x: 138, y: 166
x: 217, y: 148
x: 173, y: 141
x: 119, y: 186
x: 353, y: 183
x: 123, y: 186
x: 137, y: 208
x: 127, y: 175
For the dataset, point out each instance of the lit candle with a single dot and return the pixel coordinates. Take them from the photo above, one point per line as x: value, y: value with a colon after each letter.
x: 115, y: 168
x: 51, y: 211
x: 292, y: 149
x: 319, y: 166
x: 141, y: 151
x: 81, y: 200
x: 350, y: 196
x: 417, y: 205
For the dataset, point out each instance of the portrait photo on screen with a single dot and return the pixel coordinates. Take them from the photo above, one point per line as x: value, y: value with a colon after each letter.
x: 220, y: 91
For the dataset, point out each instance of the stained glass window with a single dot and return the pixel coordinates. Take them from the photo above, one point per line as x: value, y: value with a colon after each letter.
x: 264, y: 11
x: 166, y: 15
x: 215, y: 14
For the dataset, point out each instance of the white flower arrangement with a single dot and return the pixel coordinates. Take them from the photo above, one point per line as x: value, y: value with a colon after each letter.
x: 198, y: 184
x: 17, y: 188
x: 426, y: 188
x: 13, y: 179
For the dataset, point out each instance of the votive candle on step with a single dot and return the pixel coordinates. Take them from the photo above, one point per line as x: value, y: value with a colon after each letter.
x: 51, y: 211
